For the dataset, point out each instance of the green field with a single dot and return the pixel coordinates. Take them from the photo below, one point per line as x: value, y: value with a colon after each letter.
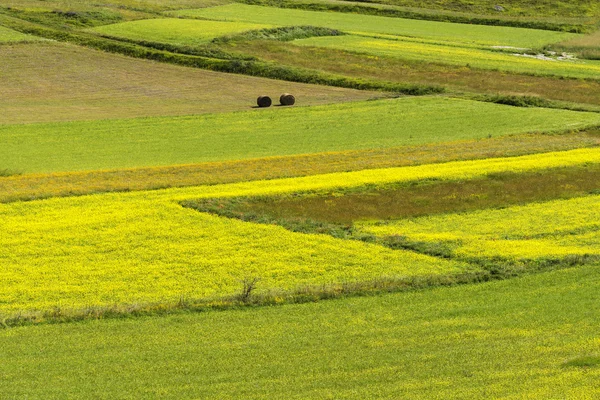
x: 459, y: 56
x: 525, y: 338
x: 110, y: 144
x: 440, y: 31
x: 176, y: 31
x: 10, y: 36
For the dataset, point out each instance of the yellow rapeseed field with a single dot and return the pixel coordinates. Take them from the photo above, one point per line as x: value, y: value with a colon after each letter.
x: 541, y: 230
x: 144, y: 247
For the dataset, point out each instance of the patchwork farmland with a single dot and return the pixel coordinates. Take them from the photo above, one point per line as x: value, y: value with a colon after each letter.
x: 422, y: 223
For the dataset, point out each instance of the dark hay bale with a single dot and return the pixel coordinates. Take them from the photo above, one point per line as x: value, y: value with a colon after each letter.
x: 287, y: 99
x: 264, y: 101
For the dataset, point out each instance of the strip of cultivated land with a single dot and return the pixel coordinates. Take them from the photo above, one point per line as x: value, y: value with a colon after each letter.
x: 177, y: 31
x: 58, y: 82
x: 36, y: 186
x: 94, y: 145
x: 393, y: 68
x: 533, y: 337
x: 138, y: 249
x: 441, y: 31
x: 458, y: 56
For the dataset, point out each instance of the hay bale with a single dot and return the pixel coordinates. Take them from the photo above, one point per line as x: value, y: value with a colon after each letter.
x: 264, y: 101
x: 287, y: 99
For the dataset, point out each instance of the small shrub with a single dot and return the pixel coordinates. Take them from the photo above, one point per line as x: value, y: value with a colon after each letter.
x: 8, y: 172
x: 518, y: 101
x: 284, y: 34
x: 248, y: 286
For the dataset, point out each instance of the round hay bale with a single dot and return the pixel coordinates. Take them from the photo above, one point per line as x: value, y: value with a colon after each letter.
x: 287, y: 99
x: 264, y: 101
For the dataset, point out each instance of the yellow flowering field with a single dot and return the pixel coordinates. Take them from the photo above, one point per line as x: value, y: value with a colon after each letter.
x: 539, y: 230
x: 144, y: 247
x: 104, y: 250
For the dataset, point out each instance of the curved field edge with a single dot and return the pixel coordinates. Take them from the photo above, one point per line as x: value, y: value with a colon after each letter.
x: 18, y: 187
x: 95, y: 251
x: 158, y: 141
x: 534, y: 337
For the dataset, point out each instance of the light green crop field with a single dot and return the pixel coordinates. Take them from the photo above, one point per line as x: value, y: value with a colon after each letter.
x: 540, y: 230
x: 534, y: 337
x: 144, y: 247
x: 460, y: 56
x: 284, y: 131
x: 442, y: 31
x: 176, y: 31
x: 10, y: 36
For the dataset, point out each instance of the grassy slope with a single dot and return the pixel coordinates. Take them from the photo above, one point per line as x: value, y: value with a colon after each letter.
x: 486, y: 35
x: 176, y: 31
x: 56, y: 82
x: 217, y: 137
x: 432, y: 53
x: 145, y: 247
x: 507, y: 339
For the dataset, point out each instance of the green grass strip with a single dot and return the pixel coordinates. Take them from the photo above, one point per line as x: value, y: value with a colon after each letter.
x: 77, y: 146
